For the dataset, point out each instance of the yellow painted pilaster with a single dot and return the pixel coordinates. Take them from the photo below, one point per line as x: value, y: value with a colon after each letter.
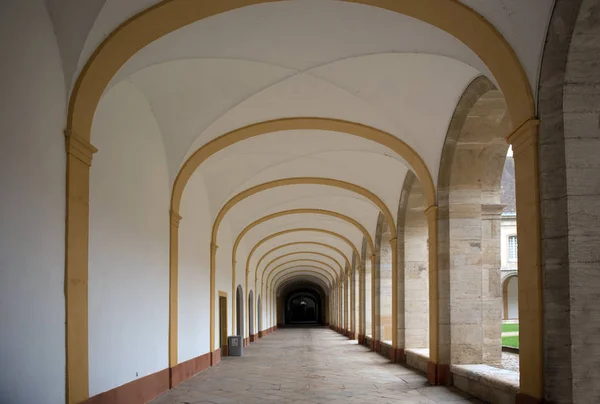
x: 213, y: 275
x: 524, y: 142
x: 432, y: 225
x: 173, y: 287
x: 79, y: 160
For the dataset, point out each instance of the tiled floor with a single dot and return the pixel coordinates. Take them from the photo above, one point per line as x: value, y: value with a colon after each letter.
x: 304, y: 366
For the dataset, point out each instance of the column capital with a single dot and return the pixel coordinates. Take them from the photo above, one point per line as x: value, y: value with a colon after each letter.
x: 524, y: 135
x: 213, y: 247
x: 393, y: 241
x: 79, y: 147
x: 431, y: 210
x: 175, y: 218
x: 490, y: 211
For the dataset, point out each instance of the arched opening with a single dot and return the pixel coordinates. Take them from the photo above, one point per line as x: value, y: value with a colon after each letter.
x: 413, y: 265
x: 383, y: 282
x: 302, y: 303
x: 470, y: 212
x: 251, y: 315
x: 510, y: 299
x: 302, y: 308
x: 239, y: 311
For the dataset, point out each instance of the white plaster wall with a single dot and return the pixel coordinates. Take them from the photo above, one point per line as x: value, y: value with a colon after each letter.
x: 32, y: 207
x: 129, y: 243
x: 194, y: 271
x: 513, y: 298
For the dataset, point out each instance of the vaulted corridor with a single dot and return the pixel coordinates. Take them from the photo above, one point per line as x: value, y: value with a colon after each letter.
x: 309, y: 365
x: 419, y: 180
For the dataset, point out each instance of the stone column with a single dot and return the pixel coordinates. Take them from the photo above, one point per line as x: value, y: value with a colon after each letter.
x: 79, y: 160
x: 524, y: 142
x: 437, y: 373
x: 353, y: 304
x: 361, y: 304
x: 492, y: 289
x: 373, y: 302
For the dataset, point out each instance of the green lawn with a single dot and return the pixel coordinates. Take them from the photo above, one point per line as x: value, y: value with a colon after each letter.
x: 510, y: 327
x: 510, y: 341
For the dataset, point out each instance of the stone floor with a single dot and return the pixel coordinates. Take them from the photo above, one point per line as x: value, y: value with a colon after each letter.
x: 309, y: 365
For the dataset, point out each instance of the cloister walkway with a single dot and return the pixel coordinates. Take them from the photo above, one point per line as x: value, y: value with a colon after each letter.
x: 309, y: 365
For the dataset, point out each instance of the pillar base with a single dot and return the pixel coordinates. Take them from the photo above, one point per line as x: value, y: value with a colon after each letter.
x: 438, y: 374
x: 253, y: 338
x: 397, y: 355
x: 260, y: 334
x: 521, y: 398
x: 346, y: 333
x: 351, y: 335
x: 376, y: 345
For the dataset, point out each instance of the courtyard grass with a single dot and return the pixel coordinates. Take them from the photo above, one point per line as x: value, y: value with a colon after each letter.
x: 510, y: 327
x: 511, y: 341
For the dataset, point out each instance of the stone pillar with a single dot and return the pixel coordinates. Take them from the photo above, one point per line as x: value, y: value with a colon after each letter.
x: 79, y: 160
x: 437, y: 372
x: 374, y: 312
x: 524, y: 142
x: 353, y: 304
x: 213, y: 274
x: 492, y: 288
x: 345, y: 290
x: 416, y: 273
x: 361, y: 303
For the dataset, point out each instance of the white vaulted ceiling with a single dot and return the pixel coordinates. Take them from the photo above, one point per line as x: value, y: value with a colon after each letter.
x: 303, y: 58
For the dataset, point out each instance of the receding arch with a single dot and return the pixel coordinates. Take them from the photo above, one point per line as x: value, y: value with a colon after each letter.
x: 298, y: 270
x: 309, y: 273
x: 283, y: 232
x: 155, y: 22
x: 450, y: 16
x: 297, y: 253
x: 274, y: 273
x: 275, y: 215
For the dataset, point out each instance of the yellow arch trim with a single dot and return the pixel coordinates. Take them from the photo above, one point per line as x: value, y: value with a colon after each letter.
x: 301, y: 268
x: 297, y: 230
x: 288, y: 275
x: 165, y: 17
x: 226, y: 208
x: 273, y: 273
x: 448, y: 15
x: 298, y: 260
x: 306, y: 272
x: 264, y: 219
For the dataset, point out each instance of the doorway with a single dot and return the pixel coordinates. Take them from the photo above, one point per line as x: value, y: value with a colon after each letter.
x: 223, y: 323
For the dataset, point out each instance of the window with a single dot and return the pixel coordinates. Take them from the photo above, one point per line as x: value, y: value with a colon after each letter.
x: 512, y: 248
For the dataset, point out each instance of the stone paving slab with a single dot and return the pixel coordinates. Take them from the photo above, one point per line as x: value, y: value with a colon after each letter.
x: 310, y: 365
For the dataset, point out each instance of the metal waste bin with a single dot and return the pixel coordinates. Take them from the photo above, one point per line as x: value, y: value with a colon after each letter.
x: 235, y: 347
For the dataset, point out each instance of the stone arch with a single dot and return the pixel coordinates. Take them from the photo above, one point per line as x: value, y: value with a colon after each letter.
x: 257, y: 222
x: 383, y: 270
x: 469, y: 220
x: 568, y: 100
x: 252, y: 191
x: 456, y: 19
